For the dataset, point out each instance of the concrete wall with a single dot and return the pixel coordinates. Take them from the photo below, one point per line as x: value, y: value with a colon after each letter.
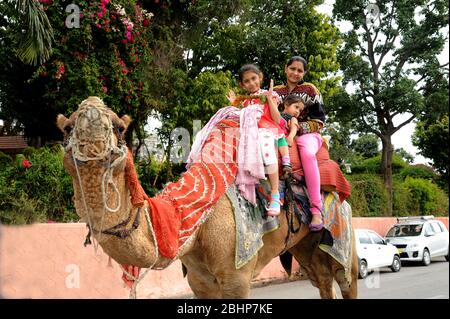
x: 49, y: 261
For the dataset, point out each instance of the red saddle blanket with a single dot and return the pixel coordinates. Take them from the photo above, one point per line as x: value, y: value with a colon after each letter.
x: 183, y: 205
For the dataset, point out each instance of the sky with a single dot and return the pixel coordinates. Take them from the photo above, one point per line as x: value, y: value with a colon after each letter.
x: 402, y: 138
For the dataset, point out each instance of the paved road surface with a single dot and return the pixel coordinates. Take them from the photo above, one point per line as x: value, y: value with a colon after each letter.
x: 412, y: 282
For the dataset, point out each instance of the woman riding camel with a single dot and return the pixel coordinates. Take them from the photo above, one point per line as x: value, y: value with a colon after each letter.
x: 310, y: 122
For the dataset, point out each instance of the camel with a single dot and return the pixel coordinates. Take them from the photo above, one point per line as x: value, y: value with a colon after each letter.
x: 95, y: 157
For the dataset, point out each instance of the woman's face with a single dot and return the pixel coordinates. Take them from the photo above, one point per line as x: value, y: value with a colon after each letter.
x: 295, y: 72
x: 251, y: 81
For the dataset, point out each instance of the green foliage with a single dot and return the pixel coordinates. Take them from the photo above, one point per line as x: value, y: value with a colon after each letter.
x: 433, y: 141
x: 418, y: 171
x: 372, y: 165
x: 153, y: 175
x: 401, y: 199
x: 426, y: 198
x: 35, y: 45
x: 341, y: 150
x: 39, y: 193
x: 411, y: 197
x: 368, y: 196
x: 268, y: 33
x: 106, y: 56
x: 379, y: 59
x: 366, y: 145
x: 407, y: 157
x: 5, y: 160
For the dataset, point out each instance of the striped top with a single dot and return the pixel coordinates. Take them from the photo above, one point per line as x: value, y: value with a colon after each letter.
x: 312, y: 118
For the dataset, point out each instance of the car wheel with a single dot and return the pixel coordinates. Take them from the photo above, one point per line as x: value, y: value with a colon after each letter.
x: 363, y: 272
x: 426, y: 260
x: 396, y: 264
x: 448, y: 251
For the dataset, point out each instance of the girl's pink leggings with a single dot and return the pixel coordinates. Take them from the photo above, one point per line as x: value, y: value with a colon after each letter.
x: 308, y: 146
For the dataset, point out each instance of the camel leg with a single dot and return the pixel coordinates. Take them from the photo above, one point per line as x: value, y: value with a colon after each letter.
x: 203, y: 284
x: 322, y: 268
x: 235, y: 284
x: 348, y: 290
x: 316, y: 264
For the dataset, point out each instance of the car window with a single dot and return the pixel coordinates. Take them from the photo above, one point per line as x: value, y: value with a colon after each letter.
x: 363, y: 238
x: 442, y: 227
x: 429, y: 229
x: 405, y: 230
x: 436, y: 228
x: 376, y: 239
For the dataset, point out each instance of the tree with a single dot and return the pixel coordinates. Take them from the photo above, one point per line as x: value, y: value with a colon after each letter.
x: 35, y: 44
x: 366, y: 145
x: 268, y: 33
x: 433, y: 141
x: 119, y: 52
x: 407, y: 157
x: 390, y: 56
x: 431, y: 131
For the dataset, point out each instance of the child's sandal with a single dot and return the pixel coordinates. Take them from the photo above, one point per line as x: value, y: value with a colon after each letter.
x: 275, y: 206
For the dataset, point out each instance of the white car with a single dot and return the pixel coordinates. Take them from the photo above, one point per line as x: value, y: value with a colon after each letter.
x: 374, y: 252
x: 419, y: 239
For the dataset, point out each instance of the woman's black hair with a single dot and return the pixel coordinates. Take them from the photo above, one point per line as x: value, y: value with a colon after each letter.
x: 246, y: 68
x: 297, y: 58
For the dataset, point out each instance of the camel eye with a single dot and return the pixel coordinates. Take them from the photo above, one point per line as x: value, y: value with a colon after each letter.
x: 68, y: 129
x: 121, y: 129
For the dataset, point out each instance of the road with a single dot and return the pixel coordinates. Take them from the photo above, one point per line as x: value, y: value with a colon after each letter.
x: 411, y: 282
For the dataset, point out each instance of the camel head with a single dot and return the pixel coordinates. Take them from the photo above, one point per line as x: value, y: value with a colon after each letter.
x: 93, y: 132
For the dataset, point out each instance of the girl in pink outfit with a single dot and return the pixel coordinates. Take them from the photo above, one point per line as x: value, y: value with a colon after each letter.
x: 310, y: 121
x: 269, y: 131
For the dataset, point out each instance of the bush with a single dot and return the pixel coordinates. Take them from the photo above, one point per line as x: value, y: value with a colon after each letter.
x: 401, y: 199
x: 38, y: 193
x: 5, y: 160
x: 373, y: 165
x: 368, y: 196
x: 426, y: 197
x: 419, y: 171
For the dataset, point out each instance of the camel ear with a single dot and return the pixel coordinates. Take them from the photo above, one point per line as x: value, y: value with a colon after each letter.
x: 60, y: 121
x: 126, y: 120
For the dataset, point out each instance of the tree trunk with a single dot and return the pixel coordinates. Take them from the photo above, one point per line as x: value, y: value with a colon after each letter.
x: 386, y: 170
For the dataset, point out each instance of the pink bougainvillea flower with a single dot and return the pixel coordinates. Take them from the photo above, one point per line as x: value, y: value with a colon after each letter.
x: 98, y: 25
x: 146, y: 22
x: 62, y: 70
x: 128, y: 35
x: 100, y: 14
